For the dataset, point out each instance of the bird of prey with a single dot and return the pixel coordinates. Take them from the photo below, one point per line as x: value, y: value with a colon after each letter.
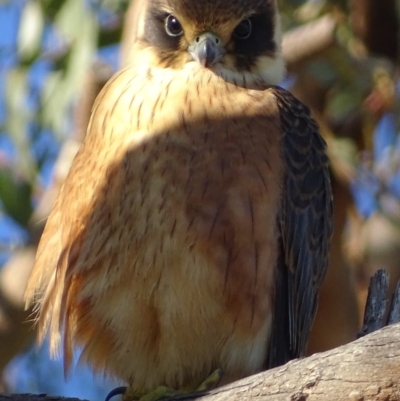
x: 192, y: 231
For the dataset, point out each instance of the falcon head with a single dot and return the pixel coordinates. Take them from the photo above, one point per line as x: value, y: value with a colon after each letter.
x: 239, y: 40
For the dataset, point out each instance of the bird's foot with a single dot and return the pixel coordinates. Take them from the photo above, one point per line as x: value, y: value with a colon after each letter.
x: 161, y: 392
x: 211, y: 381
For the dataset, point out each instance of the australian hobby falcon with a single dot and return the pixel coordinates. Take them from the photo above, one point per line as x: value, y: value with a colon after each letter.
x: 192, y: 231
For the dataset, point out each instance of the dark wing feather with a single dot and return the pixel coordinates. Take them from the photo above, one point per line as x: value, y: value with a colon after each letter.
x: 305, y: 227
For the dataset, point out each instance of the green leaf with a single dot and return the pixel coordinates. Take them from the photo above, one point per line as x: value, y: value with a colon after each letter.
x: 16, y: 197
x: 30, y: 32
x: 18, y: 117
x: 52, y: 7
x: 79, y: 26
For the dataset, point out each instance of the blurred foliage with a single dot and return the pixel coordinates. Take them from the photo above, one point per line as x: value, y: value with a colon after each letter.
x: 59, y: 41
x: 60, y: 38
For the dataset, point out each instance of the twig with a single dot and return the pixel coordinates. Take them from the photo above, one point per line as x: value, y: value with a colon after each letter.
x: 375, y: 307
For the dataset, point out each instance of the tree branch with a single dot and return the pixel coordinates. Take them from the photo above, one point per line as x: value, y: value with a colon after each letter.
x: 364, y: 370
x: 308, y: 41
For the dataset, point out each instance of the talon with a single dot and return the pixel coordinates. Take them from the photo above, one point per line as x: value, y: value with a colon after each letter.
x: 117, y: 391
x: 212, y: 381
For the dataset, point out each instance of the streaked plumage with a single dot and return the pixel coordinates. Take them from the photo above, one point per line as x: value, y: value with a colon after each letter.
x: 192, y: 231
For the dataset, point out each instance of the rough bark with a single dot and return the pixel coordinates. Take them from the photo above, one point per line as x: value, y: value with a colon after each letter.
x: 376, y: 306
x: 365, y: 370
x: 394, y: 309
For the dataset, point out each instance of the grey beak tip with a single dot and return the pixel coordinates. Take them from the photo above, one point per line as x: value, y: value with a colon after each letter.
x: 206, y: 51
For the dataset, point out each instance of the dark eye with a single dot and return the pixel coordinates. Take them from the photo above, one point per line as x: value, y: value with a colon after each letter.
x: 243, y: 30
x: 172, y: 26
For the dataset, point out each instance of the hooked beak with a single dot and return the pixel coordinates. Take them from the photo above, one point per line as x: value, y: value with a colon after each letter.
x: 207, y: 49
